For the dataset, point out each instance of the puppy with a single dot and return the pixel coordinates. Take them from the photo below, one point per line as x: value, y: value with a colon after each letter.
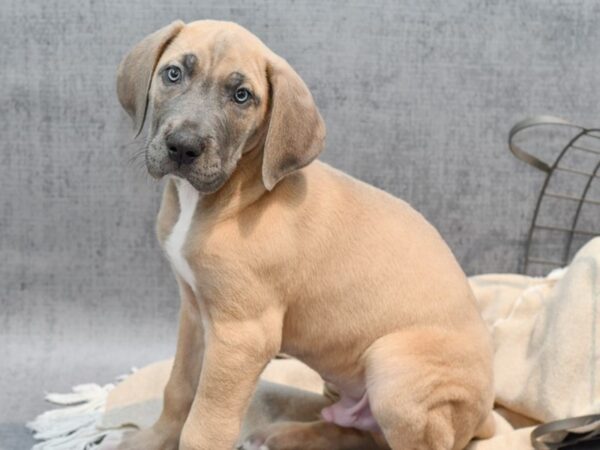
x: 276, y: 252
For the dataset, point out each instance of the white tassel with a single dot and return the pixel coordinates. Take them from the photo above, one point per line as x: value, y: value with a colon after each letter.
x: 73, y: 427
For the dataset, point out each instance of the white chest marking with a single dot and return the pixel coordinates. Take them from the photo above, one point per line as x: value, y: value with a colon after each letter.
x: 188, y: 200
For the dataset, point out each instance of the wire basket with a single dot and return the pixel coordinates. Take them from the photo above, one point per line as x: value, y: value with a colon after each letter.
x: 569, y: 188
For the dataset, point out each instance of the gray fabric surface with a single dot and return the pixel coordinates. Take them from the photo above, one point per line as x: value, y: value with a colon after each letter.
x: 418, y: 97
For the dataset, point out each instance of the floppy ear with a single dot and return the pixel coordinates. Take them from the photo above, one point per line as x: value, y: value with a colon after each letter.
x: 296, y: 132
x: 135, y: 72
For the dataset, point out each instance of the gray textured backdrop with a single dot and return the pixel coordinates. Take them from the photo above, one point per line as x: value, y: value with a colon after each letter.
x: 418, y: 97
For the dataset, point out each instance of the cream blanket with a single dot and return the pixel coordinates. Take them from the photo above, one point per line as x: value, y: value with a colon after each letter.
x: 546, y: 362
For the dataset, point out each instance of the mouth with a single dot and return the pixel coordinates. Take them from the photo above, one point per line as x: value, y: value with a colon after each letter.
x: 201, y: 182
x: 202, y: 175
x: 206, y: 183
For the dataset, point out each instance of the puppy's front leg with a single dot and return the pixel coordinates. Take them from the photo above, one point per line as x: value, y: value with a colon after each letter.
x: 236, y: 354
x: 183, y: 381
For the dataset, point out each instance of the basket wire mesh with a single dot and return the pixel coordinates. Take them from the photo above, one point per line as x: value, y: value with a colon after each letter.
x: 580, y: 140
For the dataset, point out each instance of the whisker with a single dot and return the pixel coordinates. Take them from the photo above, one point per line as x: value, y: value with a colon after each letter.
x: 137, y: 155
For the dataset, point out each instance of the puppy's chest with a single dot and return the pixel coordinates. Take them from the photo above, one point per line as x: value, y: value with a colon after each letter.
x: 175, y: 243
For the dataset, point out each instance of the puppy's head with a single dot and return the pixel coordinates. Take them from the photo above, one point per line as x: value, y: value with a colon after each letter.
x: 212, y: 91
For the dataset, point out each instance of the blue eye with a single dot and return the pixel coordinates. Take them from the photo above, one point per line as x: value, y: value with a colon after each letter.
x: 173, y: 74
x: 242, y: 95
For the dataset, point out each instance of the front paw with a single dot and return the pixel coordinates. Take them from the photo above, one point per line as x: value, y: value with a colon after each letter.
x: 254, y: 442
x: 284, y: 436
x: 318, y: 435
x: 151, y: 439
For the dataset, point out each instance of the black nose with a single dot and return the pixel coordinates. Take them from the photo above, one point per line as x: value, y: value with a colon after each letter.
x: 185, y: 146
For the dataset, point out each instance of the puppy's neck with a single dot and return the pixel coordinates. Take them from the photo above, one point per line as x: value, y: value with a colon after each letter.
x: 244, y: 187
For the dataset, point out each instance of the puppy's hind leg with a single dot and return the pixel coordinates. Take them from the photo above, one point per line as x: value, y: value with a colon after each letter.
x: 429, y: 389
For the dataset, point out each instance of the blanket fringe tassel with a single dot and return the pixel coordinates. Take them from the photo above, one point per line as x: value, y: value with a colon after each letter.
x: 74, y: 426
